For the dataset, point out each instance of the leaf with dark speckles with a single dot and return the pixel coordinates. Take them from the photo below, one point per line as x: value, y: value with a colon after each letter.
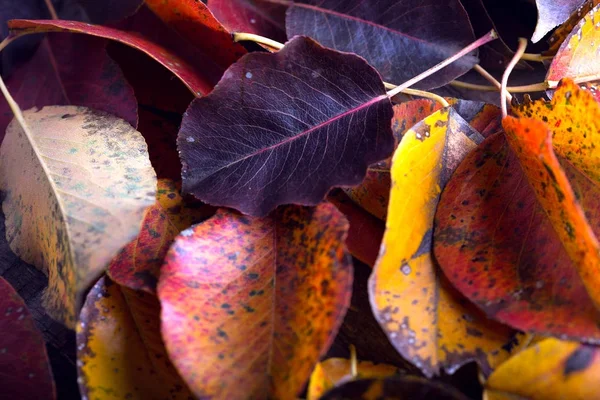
x: 425, y: 319
x: 284, y: 128
x: 24, y: 367
x: 552, y: 13
x: 250, y: 304
x: 76, y: 184
x: 549, y: 370
x: 120, y: 350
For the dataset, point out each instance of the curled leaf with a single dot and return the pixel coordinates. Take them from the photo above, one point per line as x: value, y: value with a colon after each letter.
x: 76, y: 184
x: 250, y: 304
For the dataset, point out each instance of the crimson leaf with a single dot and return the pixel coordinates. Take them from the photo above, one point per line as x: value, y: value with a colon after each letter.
x: 284, y: 128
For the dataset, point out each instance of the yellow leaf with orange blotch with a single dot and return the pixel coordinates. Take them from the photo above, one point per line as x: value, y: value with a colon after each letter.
x: 77, y: 182
x: 425, y: 319
x: 549, y: 370
x: 336, y: 371
x: 573, y: 117
x: 120, y: 352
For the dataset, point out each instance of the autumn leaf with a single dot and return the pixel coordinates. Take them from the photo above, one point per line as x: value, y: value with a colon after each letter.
x: 250, y: 304
x: 262, y: 17
x: 49, y: 79
x: 577, y: 56
x: 552, y: 13
x: 427, y: 321
x: 24, y: 364
x: 387, y: 32
x: 549, y: 370
x: 198, y: 76
x: 497, y: 246
x: 409, y: 387
x: 94, y: 172
x: 195, y: 23
x: 109, y: 10
x: 137, y: 266
x: 336, y: 371
x: 120, y: 353
x: 562, y: 32
x: 254, y: 143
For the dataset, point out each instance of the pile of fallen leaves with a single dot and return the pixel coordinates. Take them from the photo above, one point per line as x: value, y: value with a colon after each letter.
x: 325, y: 199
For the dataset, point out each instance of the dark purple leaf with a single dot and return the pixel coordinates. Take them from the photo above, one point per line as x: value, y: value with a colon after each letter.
x: 24, y: 366
x: 284, y: 128
x: 101, y: 12
x: 253, y: 16
x: 399, y: 38
x: 71, y: 70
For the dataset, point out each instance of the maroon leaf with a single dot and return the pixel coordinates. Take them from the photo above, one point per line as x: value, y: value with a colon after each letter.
x: 71, y: 70
x: 284, y: 128
x: 253, y: 16
x: 24, y: 366
x: 399, y: 38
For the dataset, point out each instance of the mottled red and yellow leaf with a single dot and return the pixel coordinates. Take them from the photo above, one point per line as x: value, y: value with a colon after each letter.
x: 250, y: 304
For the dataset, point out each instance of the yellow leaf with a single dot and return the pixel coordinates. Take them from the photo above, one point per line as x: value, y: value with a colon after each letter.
x: 549, y: 370
x: 427, y: 320
x: 77, y: 183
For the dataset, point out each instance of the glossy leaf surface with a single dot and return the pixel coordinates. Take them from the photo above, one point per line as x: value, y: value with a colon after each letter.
x: 562, y: 32
x: 497, y: 246
x: 384, y: 32
x: 425, y: 319
x: 96, y: 180
x: 284, y: 128
x: 71, y: 70
x: 576, y: 58
x: 552, y: 13
x: 120, y: 353
x: 138, y: 265
x: 336, y: 371
x: 24, y: 365
x: 250, y: 304
x: 549, y: 370
x: 413, y: 388
x: 191, y: 74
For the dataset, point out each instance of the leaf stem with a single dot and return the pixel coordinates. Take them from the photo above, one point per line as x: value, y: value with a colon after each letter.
x: 353, y: 362
x: 491, y: 79
x: 479, y: 42
x: 51, y: 9
x: 535, y: 57
x: 7, y: 40
x: 251, y: 37
x: 12, y: 103
x: 509, y: 68
x: 420, y: 93
x: 534, y: 87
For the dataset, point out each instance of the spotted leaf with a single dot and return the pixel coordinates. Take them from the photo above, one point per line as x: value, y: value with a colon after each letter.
x: 552, y: 13
x: 120, y: 353
x: 562, y: 32
x: 76, y: 184
x: 24, y: 364
x: 250, y: 304
x: 256, y: 141
x: 336, y: 371
x: 549, y: 370
x: 427, y: 321
x: 498, y: 247
x: 138, y: 265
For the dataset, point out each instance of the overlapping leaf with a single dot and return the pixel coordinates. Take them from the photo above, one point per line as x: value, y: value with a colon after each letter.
x: 552, y: 13
x: 549, y: 370
x: 284, y: 128
x: 138, y: 265
x: 76, y: 184
x: 562, y: 32
x: 250, y: 304
x: 496, y: 242
x: 427, y: 321
x: 120, y: 353
x: 102, y: 12
x: 385, y: 32
x: 71, y: 70
x: 24, y: 365
x: 336, y: 371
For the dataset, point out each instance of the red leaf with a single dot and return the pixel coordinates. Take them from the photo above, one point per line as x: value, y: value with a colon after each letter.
x: 24, y: 365
x: 284, y: 128
x: 250, y: 304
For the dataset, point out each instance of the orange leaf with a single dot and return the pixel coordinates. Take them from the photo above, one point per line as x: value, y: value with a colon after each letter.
x: 531, y: 141
x: 549, y: 370
x: 562, y: 32
x: 250, y: 304
x: 120, y: 353
x: 426, y: 320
